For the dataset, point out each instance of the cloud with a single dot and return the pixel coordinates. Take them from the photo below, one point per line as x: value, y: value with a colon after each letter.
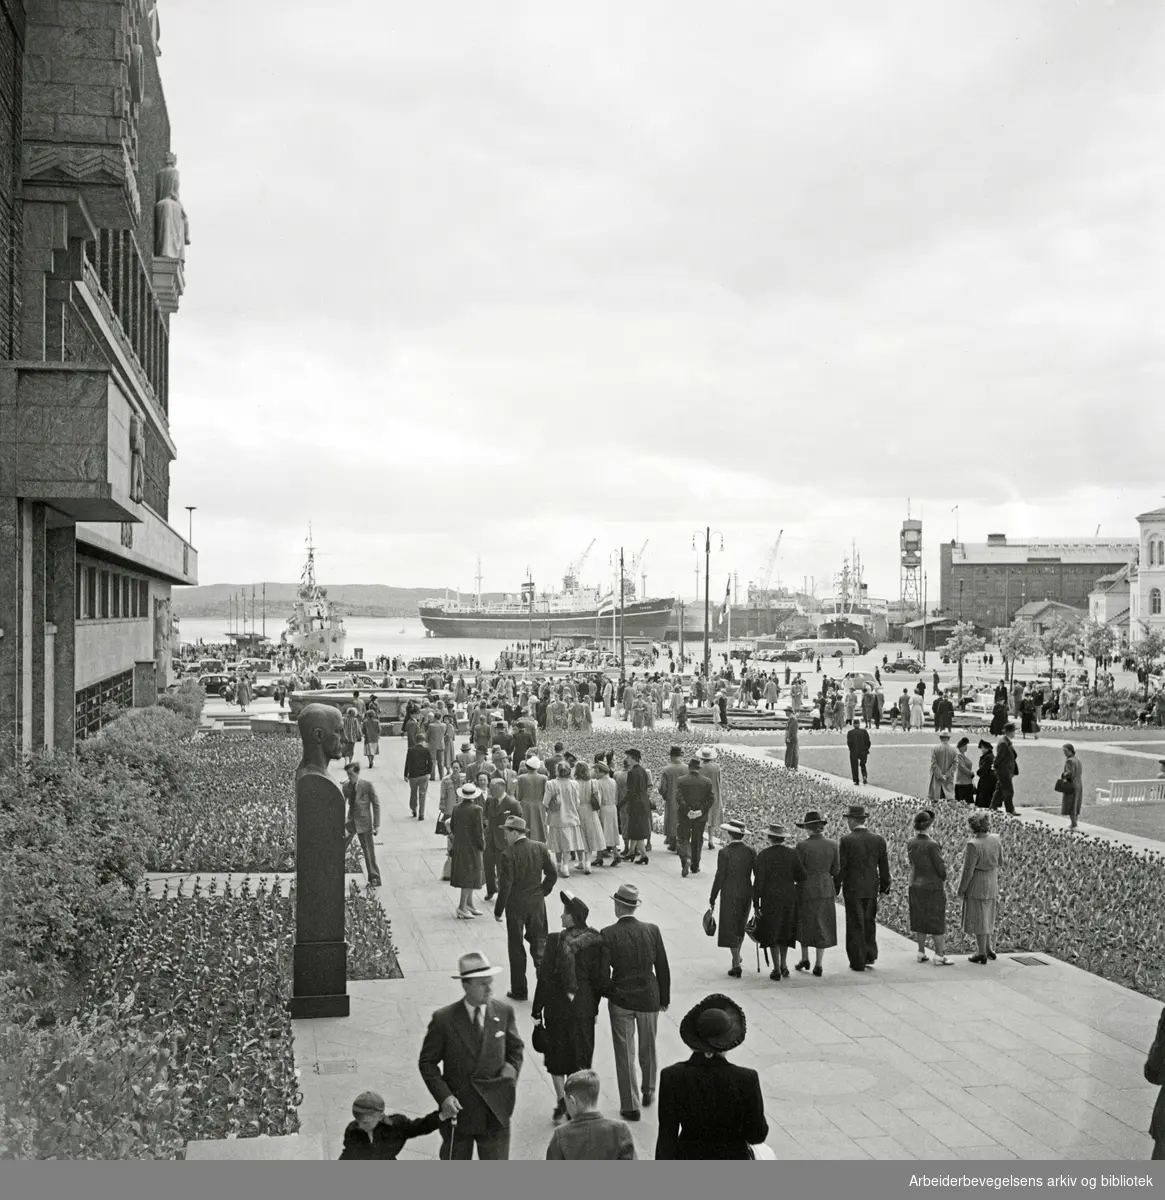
x: 503, y: 279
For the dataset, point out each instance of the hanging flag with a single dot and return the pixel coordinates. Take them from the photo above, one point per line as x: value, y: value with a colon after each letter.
x: 727, y: 600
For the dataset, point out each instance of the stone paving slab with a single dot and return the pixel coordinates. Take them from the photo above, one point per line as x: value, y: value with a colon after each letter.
x: 905, y: 1061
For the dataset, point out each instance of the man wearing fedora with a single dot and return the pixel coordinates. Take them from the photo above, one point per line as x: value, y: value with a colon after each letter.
x: 470, y: 1061
x: 635, y: 977
x: 1006, y: 769
x: 526, y: 876
x: 694, y: 801
x: 943, y: 760
x: 857, y: 740
x: 710, y: 769
x: 710, y: 1108
x: 863, y: 875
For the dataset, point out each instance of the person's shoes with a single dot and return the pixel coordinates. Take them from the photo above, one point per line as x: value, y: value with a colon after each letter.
x: 684, y: 869
x: 978, y: 958
x: 642, y: 861
x: 559, y: 1111
x: 464, y: 915
x: 735, y: 972
x: 924, y: 958
x: 515, y: 996
x: 614, y: 862
x: 941, y: 960
x: 695, y: 870
x: 817, y: 971
x: 597, y: 861
x: 784, y: 971
x: 775, y: 974
x: 853, y: 968
x: 992, y: 955
x: 489, y: 896
x: 648, y: 1097
x: 803, y: 965
x: 629, y: 1114
x: 476, y: 912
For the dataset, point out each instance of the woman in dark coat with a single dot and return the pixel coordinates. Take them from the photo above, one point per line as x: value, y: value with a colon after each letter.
x: 467, y: 870
x: 999, y: 716
x: 775, y: 879
x: 1027, y: 716
x: 816, y: 891
x: 733, y: 884
x: 928, y: 893
x: 1071, y: 800
x: 570, y: 967
x: 985, y: 788
x: 710, y: 1108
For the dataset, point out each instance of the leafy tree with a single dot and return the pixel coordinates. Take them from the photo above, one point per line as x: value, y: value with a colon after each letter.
x: 1060, y: 638
x: 1147, y: 650
x: 963, y: 641
x: 1099, y: 641
x: 1017, y: 641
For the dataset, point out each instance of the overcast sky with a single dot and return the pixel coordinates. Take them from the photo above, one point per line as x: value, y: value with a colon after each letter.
x: 496, y: 279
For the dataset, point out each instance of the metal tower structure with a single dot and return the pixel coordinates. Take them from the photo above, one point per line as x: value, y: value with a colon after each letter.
x: 910, y: 567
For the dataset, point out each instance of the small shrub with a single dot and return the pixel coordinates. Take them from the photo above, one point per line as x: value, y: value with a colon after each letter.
x: 1121, y: 707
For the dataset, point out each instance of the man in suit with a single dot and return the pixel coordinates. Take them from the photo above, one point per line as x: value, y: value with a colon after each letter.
x: 525, y: 739
x: 526, y: 876
x: 498, y: 806
x: 672, y: 774
x: 470, y: 1060
x: 942, y: 769
x: 694, y: 800
x: 635, y: 978
x: 864, y: 874
x: 858, y: 741
x: 710, y: 769
x: 588, y: 1135
x: 944, y: 712
x: 363, y: 818
x: 435, y: 734
x: 1006, y: 769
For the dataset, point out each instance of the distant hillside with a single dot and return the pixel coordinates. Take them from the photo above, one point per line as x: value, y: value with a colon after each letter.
x: 353, y: 599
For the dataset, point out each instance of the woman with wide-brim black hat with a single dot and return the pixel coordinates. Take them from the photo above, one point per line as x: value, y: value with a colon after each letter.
x: 775, y: 880
x: 816, y: 891
x: 710, y: 1108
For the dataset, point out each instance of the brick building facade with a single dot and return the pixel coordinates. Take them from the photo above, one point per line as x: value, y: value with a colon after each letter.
x: 91, y: 271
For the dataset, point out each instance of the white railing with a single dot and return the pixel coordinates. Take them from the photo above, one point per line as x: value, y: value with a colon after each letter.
x: 1131, y: 791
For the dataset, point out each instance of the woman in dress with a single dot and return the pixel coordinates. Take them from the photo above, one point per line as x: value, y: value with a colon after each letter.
x: 986, y: 772
x: 607, y: 790
x: 792, y: 740
x: 450, y: 786
x: 964, y: 773
x: 979, y: 886
x: 733, y: 884
x: 928, y: 893
x: 816, y: 891
x: 350, y: 735
x: 1027, y: 716
x: 916, y: 711
x: 467, y: 871
x: 710, y: 1108
x: 563, y: 828
x: 566, y: 998
x: 775, y: 879
x: 590, y: 802
x: 371, y: 730
x: 1073, y: 775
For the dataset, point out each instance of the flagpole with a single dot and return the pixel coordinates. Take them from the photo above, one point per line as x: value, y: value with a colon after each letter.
x: 728, y: 606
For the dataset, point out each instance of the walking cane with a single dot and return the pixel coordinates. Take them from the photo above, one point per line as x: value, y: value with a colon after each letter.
x: 452, y: 1134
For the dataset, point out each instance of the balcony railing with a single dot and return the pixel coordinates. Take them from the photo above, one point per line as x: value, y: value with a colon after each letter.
x: 125, y: 283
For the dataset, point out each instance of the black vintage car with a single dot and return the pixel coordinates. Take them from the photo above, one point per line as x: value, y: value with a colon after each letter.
x: 214, y: 685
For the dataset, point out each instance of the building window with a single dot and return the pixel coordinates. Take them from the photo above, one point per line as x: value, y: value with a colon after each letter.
x: 79, y: 594
x: 115, y: 596
x: 125, y: 590
x: 143, y: 598
x: 1155, y: 602
x: 104, y: 596
x: 91, y: 593
x: 97, y: 705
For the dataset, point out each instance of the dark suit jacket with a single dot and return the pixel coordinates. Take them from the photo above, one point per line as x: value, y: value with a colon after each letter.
x: 858, y: 741
x: 709, y: 1108
x: 865, y: 865
x: 496, y: 812
x: 454, y: 1063
x: 526, y: 874
x: 1006, y: 764
x: 634, y: 972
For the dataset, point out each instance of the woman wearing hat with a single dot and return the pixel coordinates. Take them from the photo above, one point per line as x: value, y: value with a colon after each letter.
x: 603, y: 785
x: 733, y: 884
x: 1073, y: 775
x: 985, y: 788
x: 563, y: 828
x: 816, y: 891
x: 775, y: 878
x: 928, y: 895
x: 979, y: 885
x: 467, y: 870
x: 792, y: 740
x: 590, y: 802
x: 710, y: 1108
x: 964, y: 773
x: 566, y: 999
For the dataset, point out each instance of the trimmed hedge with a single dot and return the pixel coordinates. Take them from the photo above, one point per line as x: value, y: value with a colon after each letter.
x: 1094, y: 904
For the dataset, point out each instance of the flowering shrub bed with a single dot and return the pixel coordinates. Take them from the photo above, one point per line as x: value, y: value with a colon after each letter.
x: 1089, y: 903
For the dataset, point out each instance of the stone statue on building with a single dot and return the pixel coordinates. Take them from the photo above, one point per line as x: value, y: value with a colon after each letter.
x: 171, y: 225
x: 155, y: 28
x: 137, y: 460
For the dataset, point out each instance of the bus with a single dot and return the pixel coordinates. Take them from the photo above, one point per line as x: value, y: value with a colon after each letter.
x: 811, y: 648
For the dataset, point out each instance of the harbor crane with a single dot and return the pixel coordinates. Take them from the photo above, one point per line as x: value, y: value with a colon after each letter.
x: 635, y: 570
x: 570, y: 581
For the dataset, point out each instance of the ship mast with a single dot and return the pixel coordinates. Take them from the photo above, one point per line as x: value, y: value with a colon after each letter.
x: 478, y: 583
x: 307, y: 581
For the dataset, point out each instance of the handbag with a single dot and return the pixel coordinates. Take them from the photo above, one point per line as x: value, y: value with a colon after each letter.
x: 442, y: 825
x: 710, y: 923
x: 538, y: 1037
x: 1062, y: 785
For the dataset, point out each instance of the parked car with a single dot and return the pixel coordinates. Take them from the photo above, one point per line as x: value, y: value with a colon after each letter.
x: 787, y: 656
x: 215, y: 684
x: 910, y: 665
x: 859, y: 679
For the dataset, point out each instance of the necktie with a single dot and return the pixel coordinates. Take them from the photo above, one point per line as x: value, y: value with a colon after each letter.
x: 477, y: 1019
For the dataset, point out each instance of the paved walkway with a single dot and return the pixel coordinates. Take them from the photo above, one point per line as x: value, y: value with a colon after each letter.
x: 1010, y: 1060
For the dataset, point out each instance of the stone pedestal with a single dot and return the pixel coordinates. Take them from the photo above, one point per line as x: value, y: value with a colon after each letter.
x: 169, y: 280
x: 320, y: 963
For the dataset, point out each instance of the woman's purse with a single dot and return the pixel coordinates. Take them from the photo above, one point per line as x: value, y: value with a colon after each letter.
x: 710, y: 923
x: 442, y: 829
x: 538, y: 1038
x: 1063, y: 785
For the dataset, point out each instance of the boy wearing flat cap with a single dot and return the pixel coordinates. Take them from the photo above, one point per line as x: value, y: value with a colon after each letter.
x: 372, y: 1134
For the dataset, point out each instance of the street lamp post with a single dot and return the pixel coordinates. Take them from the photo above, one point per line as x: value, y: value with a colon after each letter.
x: 528, y: 587
x: 924, y: 618
x: 622, y: 634
x: 707, y: 594
x: 190, y: 525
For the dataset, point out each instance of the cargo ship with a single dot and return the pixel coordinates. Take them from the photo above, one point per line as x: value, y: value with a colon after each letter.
x: 576, y: 612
